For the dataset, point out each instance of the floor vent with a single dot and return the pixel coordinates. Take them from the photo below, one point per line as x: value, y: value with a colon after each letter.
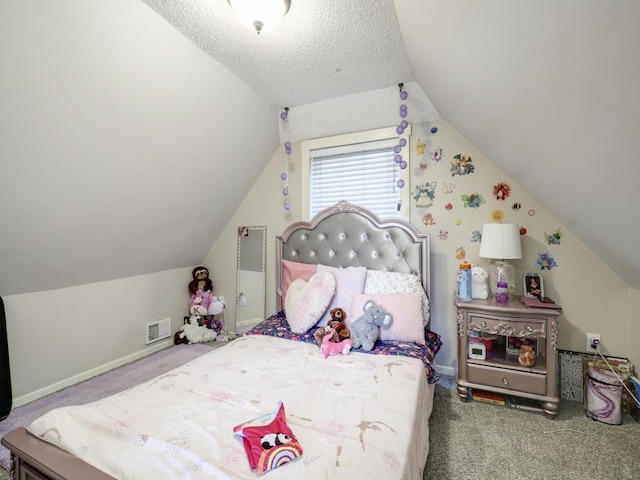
x: 158, y: 330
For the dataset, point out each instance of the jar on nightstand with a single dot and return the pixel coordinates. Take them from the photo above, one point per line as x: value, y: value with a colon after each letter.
x: 502, y: 292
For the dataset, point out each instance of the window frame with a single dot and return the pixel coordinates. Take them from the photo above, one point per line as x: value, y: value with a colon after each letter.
x: 307, y: 146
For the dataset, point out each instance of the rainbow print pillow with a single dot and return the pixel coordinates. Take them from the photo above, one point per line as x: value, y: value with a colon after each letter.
x: 268, y: 441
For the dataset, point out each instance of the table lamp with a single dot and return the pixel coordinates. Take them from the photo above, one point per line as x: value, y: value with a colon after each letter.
x: 501, y: 241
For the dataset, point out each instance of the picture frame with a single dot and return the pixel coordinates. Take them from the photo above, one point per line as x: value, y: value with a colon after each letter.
x: 532, y: 285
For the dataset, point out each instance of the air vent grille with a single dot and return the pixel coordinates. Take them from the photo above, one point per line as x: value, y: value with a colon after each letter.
x: 158, y: 330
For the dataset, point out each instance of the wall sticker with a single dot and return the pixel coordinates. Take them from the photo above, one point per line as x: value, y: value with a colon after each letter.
x: 461, y: 164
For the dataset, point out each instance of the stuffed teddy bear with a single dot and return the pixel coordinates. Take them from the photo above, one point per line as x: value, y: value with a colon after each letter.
x: 330, y: 348
x: 194, y: 333
x: 320, y: 333
x: 201, y: 280
x: 337, y: 322
x: 479, y: 283
x: 364, y: 329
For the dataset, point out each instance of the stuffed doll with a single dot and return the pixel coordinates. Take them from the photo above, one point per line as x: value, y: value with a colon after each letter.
x: 199, y: 302
x: 330, y: 348
x: 479, y: 283
x: 337, y: 322
x: 320, y: 333
x: 364, y: 329
x: 194, y: 333
x: 201, y: 280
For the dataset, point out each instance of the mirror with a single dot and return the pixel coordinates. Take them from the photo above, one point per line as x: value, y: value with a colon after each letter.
x: 251, y: 280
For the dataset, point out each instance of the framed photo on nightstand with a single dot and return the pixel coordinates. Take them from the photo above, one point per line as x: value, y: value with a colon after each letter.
x: 532, y: 285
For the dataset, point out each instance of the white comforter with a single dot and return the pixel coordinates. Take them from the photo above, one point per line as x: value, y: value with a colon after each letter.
x: 355, y: 416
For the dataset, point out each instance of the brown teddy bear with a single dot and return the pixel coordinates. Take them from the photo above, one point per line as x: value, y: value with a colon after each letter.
x: 320, y: 332
x: 338, y: 323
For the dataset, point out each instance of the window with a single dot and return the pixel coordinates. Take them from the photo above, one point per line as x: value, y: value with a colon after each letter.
x: 358, y: 168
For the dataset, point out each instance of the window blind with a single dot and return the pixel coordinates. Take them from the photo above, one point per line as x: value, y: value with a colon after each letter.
x: 363, y: 174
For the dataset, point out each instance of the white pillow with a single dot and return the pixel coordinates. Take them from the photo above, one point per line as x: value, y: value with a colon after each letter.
x: 378, y: 281
x: 349, y: 281
x: 307, y: 301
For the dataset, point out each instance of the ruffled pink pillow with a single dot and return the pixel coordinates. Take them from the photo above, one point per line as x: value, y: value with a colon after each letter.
x: 405, y: 308
x: 307, y: 301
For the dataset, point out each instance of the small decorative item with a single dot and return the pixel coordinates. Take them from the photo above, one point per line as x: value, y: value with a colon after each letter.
x: 428, y: 219
x: 479, y: 283
x: 497, y: 216
x: 461, y: 165
x: 476, y: 236
x: 516, y: 207
x: 464, y: 282
x: 553, y: 238
x: 284, y: 176
x: 526, y: 357
x: 436, y: 155
x: 546, y: 261
x: 425, y: 194
x: 502, y: 292
x: 532, y: 285
x: 443, y: 235
x: 460, y: 253
x: 420, y: 147
x: 448, y: 187
x: 472, y: 201
x: 501, y: 191
x: 402, y: 126
x: 448, y: 207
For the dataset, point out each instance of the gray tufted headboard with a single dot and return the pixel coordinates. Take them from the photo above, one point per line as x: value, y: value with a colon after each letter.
x: 347, y: 235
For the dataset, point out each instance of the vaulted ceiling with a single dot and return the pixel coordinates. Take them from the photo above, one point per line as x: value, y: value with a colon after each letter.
x: 101, y: 97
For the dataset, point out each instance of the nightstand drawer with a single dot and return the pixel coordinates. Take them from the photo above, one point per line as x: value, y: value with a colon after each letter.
x: 509, y: 379
x: 507, y: 326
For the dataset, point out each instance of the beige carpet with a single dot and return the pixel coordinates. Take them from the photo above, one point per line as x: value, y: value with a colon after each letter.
x: 480, y: 441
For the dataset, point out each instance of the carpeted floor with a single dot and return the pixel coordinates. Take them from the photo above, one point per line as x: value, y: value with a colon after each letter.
x: 480, y: 441
x: 468, y: 441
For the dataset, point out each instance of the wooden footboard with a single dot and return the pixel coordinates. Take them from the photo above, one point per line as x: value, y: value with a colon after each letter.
x: 35, y: 459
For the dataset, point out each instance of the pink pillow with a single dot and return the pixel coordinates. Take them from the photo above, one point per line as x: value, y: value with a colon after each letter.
x: 292, y: 271
x: 349, y: 281
x: 307, y: 301
x: 405, y: 308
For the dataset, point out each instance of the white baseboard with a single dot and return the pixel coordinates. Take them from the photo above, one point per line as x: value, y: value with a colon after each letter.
x: 448, y: 371
x: 67, y: 382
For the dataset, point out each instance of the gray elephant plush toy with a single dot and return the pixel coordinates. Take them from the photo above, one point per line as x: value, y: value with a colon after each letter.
x: 364, y: 329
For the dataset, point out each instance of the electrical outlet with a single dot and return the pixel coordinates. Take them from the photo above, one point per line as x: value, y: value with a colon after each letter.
x: 592, y: 338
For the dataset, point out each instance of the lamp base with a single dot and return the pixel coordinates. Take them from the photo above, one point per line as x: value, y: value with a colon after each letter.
x: 501, y: 271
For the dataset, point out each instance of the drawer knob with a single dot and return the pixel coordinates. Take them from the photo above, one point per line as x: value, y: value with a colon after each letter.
x: 529, y: 328
x: 505, y: 381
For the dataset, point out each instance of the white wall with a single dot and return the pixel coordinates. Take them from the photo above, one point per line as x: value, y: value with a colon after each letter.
x: 593, y: 298
x: 59, y: 337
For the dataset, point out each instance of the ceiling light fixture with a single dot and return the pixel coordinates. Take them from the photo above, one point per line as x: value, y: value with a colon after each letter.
x: 260, y: 15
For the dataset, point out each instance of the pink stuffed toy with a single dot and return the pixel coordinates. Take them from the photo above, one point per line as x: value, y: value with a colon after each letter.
x: 331, y: 348
x: 199, y: 302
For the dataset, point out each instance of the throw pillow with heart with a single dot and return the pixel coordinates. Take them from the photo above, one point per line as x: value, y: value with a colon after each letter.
x: 307, y: 301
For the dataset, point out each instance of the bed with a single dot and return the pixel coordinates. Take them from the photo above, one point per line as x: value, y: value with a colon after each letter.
x: 364, y: 414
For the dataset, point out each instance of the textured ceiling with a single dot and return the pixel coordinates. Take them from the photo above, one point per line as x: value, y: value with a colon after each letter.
x: 322, y: 49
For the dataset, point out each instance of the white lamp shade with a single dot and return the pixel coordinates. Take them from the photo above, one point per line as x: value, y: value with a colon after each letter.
x: 216, y: 307
x: 500, y: 240
x: 260, y: 15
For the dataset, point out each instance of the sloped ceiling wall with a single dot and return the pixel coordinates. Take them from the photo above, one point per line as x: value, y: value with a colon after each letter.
x: 549, y: 91
x: 123, y: 146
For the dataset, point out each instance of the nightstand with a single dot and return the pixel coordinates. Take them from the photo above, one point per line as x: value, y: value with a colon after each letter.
x: 495, y: 366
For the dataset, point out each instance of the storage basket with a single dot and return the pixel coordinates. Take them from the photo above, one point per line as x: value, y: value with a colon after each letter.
x: 604, y: 396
